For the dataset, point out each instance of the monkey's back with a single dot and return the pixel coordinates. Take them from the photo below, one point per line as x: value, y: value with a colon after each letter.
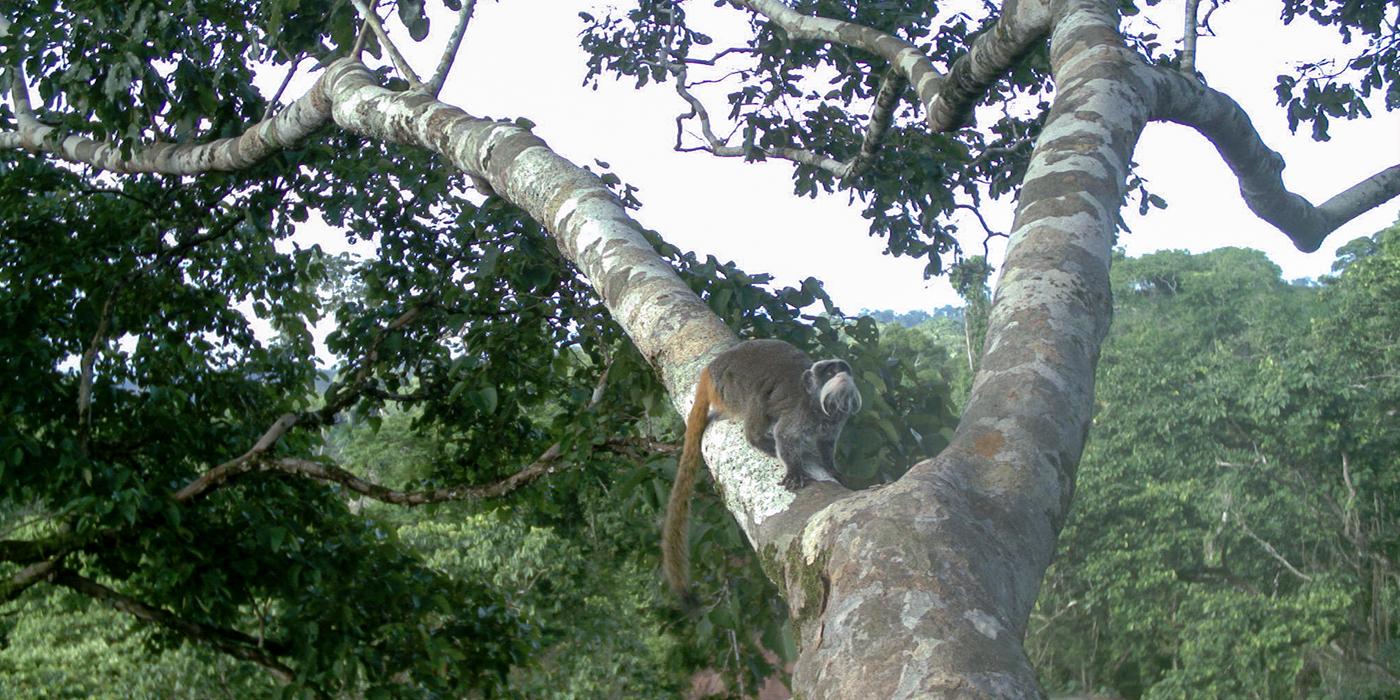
x: 758, y: 372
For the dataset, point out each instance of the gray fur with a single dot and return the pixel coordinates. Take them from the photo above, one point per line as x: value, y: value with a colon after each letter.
x: 792, y: 408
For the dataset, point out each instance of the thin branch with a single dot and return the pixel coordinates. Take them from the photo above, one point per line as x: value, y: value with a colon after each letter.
x: 240, y: 464
x: 719, y: 147
x: 231, y: 642
x: 881, y: 114
x: 397, y: 58
x: 449, y: 54
x: 1258, y: 168
x: 546, y: 464
x: 277, y: 96
x: 99, y: 339
x: 1188, y: 38
x: 1277, y: 556
x: 361, y: 38
x: 949, y: 100
x: 339, y: 396
x: 715, y: 59
x: 26, y: 577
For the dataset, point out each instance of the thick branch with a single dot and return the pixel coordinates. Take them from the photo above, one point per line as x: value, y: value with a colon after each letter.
x: 372, y: 19
x: 231, y: 642
x: 1225, y: 124
x: 449, y: 54
x: 291, y: 125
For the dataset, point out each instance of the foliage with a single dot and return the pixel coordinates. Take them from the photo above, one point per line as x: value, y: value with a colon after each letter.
x: 154, y: 328
x: 60, y: 648
x: 1231, y: 536
x: 501, y: 350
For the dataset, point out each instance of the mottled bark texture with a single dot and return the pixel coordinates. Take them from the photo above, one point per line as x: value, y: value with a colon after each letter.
x: 921, y: 588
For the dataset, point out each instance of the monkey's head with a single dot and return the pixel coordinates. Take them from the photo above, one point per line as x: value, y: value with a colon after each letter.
x: 831, y: 385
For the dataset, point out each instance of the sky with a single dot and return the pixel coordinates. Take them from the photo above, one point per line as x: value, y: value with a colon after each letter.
x: 521, y: 60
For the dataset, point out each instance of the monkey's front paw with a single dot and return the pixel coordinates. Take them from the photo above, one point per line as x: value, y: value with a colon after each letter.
x: 795, y: 480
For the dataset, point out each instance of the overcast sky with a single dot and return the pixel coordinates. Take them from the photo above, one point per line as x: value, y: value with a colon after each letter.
x: 521, y: 59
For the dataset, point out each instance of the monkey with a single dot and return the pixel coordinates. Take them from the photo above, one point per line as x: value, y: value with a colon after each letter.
x: 792, y: 408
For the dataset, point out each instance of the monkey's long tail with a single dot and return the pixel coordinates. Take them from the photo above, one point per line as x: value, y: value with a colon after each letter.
x: 675, y: 549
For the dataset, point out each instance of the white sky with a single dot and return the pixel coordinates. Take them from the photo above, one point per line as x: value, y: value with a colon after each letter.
x: 522, y: 60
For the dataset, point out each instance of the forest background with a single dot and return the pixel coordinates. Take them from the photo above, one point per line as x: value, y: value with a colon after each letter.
x: 1235, y: 533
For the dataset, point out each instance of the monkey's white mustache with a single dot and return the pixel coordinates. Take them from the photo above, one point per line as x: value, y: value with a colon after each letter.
x: 839, y: 394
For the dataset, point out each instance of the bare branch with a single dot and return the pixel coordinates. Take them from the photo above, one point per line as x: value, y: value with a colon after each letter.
x: 1272, y: 551
x: 449, y: 54
x: 372, y: 19
x: 277, y: 96
x: 361, y: 38
x: 339, y: 396
x: 291, y: 125
x: 719, y: 147
x: 26, y: 577
x: 99, y: 339
x: 1225, y: 124
x: 231, y: 642
x: 1188, y: 38
x: 242, y: 463
x: 881, y: 114
x: 546, y: 464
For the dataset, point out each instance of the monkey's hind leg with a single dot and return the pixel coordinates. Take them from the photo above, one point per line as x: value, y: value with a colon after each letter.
x: 756, y: 430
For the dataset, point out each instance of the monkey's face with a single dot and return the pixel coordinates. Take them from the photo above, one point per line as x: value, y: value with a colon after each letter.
x: 833, y: 387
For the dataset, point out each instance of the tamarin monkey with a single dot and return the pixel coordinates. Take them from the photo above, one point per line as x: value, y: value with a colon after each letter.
x: 793, y: 409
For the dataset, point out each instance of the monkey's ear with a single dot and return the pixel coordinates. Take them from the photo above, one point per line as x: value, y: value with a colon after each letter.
x: 810, y: 381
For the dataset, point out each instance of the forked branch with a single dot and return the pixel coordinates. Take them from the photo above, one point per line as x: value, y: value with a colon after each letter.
x: 371, y: 18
